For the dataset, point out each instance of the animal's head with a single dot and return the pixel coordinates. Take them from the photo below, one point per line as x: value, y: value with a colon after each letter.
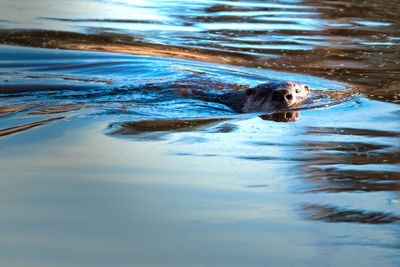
x: 275, y: 95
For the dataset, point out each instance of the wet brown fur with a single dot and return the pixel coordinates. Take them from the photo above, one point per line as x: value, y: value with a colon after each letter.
x: 266, y: 97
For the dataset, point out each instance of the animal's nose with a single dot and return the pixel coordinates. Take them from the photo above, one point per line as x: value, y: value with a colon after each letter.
x: 288, y: 97
x: 283, y: 96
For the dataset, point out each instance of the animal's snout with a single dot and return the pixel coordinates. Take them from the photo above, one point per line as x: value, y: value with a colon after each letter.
x: 283, y: 96
x: 288, y: 97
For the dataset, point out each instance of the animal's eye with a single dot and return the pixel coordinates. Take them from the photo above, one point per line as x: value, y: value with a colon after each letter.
x: 297, y: 91
x: 307, y: 87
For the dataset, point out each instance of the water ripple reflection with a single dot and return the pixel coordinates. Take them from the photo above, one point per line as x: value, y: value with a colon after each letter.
x: 370, y: 165
x: 350, y: 41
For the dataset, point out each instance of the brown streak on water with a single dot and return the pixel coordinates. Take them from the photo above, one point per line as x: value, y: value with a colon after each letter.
x: 20, y: 128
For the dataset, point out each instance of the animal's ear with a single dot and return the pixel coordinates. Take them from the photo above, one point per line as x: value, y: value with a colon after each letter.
x: 249, y: 91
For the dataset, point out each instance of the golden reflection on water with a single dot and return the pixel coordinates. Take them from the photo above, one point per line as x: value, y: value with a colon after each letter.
x: 351, y: 41
x: 20, y: 128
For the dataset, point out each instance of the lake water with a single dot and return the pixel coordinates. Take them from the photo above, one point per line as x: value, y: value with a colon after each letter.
x: 104, y: 163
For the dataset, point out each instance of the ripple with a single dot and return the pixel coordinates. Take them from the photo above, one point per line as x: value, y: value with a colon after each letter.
x: 372, y: 23
x: 256, y: 26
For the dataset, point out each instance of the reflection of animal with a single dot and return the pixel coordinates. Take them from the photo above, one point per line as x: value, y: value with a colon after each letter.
x: 267, y: 97
x: 290, y: 116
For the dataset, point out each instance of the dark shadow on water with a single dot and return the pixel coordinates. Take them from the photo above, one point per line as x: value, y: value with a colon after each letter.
x: 334, y: 215
x: 333, y: 180
x: 158, y: 129
x: 367, y: 166
x: 24, y: 127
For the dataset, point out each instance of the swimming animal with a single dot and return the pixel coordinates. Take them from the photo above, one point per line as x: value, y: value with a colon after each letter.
x: 271, y: 96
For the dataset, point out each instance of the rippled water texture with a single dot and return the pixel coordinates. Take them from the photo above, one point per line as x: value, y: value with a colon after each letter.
x: 107, y: 159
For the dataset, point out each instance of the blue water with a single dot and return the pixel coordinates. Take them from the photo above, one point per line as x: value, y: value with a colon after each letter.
x: 105, y: 163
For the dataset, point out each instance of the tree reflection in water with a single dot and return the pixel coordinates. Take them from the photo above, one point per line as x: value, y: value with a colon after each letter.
x: 332, y: 214
x: 337, y: 167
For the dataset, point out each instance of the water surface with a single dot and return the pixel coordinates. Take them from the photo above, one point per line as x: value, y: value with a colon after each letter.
x: 105, y: 162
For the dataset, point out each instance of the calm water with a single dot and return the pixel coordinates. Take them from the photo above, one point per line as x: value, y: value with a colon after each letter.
x: 104, y: 163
